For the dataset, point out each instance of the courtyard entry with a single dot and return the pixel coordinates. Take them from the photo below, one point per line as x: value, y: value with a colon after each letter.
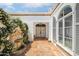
x: 40, y: 31
x: 45, y: 48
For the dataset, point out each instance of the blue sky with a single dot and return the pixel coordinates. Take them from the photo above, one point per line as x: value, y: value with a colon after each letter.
x: 26, y: 7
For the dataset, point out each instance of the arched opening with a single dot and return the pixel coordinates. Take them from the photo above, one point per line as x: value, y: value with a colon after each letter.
x: 40, y: 31
x: 65, y: 27
x: 66, y: 10
x: 42, y: 25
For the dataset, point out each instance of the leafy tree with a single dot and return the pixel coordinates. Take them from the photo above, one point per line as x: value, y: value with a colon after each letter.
x: 10, y: 25
x: 4, y: 32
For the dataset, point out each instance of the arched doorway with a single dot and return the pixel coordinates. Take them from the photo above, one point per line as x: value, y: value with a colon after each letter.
x: 40, y: 30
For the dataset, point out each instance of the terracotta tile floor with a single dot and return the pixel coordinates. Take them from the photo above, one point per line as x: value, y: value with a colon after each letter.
x: 44, y: 48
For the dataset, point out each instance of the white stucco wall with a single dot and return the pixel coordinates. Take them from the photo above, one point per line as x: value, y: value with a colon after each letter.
x: 30, y: 20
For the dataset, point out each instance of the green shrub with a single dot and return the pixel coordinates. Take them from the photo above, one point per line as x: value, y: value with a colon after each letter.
x: 8, y: 47
x: 3, y: 32
x: 25, y: 35
x: 10, y: 25
x: 25, y: 40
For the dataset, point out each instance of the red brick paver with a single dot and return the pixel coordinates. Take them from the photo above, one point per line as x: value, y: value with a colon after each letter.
x: 44, y: 48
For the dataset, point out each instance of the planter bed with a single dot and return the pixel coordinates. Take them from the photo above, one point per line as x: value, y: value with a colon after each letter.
x: 22, y: 50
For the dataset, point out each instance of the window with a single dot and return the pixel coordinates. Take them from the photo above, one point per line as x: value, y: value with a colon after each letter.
x: 68, y: 21
x: 61, y: 31
x: 65, y: 26
x: 67, y: 9
x: 68, y: 31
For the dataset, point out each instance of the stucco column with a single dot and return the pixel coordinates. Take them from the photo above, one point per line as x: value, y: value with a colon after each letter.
x: 50, y: 30
x: 30, y: 32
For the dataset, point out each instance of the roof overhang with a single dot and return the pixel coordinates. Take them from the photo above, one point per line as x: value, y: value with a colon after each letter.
x: 35, y: 14
x: 30, y: 14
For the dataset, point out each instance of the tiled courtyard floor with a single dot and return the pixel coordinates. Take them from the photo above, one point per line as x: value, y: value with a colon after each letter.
x: 44, y: 48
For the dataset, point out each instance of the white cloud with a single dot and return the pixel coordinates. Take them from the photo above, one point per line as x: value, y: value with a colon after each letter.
x: 8, y: 6
x: 36, y: 4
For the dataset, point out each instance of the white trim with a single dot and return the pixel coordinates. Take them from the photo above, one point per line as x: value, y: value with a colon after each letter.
x: 77, y: 23
x: 63, y: 32
x: 74, y: 30
x: 69, y: 14
x: 68, y: 27
x: 66, y: 49
x: 57, y: 32
x: 69, y: 38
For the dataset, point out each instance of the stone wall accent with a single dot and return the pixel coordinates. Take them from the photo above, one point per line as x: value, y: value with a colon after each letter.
x: 17, y: 34
x: 16, y: 38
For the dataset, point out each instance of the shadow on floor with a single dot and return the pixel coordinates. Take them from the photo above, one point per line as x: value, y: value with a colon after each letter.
x: 40, y: 38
